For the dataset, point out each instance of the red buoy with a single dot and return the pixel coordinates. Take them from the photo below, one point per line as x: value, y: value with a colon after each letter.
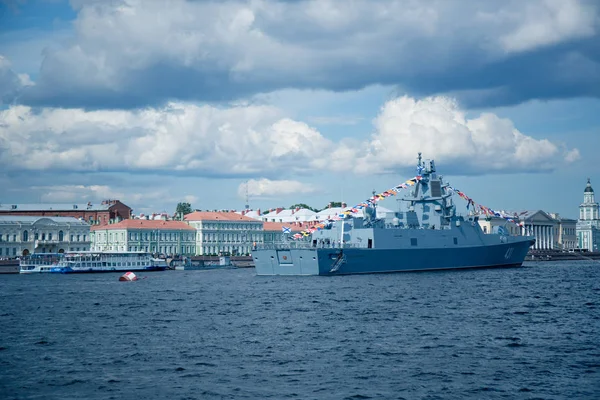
x: 128, y: 276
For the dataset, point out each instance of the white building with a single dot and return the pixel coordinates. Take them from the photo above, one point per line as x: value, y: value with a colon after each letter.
x: 154, y: 236
x: 540, y: 224
x: 492, y: 225
x: 588, y: 225
x: 225, y: 232
x: 566, y: 237
x: 282, y: 215
x: 304, y: 216
x: 536, y: 223
x: 21, y: 235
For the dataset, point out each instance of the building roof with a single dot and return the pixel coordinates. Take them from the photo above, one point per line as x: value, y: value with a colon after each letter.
x: 217, y: 216
x: 104, y: 206
x: 33, y: 219
x: 250, y: 214
x: 278, y: 227
x: 145, y: 224
x: 588, y: 187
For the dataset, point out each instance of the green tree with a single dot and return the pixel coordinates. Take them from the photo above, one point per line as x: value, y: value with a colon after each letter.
x: 302, y: 205
x: 182, y: 209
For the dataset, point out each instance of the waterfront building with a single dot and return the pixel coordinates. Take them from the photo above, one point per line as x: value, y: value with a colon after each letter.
x: 274, y: 231
x: 154, y: 236
x: 22, y: 235
x: 495, y: 224
x: 297, y: 216
x: 107, y: 212
x: 540, y: 224
x: 224, y: 232
x: 588, y: 225
x: 303, y: 216
x: 566, y: 237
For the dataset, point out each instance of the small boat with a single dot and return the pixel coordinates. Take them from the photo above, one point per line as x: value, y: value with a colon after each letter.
x: 224, y: 262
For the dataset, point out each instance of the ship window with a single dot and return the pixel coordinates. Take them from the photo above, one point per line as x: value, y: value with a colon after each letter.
x: 413, y: 241
x: 455, y: 240
x: 436, y: 189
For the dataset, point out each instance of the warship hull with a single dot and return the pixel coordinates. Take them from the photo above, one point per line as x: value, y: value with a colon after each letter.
x: 337, y: 261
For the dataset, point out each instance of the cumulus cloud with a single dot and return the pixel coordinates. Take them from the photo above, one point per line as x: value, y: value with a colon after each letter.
x: 262, y: 188
x: 134, y: 53
x: 438, y: 128
x: 237, y: 141
x: 250, y: 141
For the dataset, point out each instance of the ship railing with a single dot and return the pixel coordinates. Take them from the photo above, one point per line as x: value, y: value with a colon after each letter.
x: 309, y: 245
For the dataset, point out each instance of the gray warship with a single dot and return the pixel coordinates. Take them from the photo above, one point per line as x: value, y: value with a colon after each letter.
x: 425, y: 234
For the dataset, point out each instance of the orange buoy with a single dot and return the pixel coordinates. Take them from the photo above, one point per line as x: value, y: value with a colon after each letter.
x: 128, y: 276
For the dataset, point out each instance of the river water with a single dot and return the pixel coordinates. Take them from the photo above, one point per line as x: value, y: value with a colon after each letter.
x: 519, y: 333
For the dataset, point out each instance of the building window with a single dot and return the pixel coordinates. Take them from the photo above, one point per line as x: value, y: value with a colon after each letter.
x: 50, y: 236
x: 14, y: 251
x: 71, y: 238
x: 78, y: 238
x: 61, y: 236
x: 43, y: 236
x: 25, y: 236
x: 84, y: 238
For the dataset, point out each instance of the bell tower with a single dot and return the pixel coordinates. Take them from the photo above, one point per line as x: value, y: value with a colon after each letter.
x: 588, y: 225
x: 588, y: 210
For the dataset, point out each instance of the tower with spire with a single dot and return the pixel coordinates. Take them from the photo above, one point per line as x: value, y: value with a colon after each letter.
x: 588, y: 225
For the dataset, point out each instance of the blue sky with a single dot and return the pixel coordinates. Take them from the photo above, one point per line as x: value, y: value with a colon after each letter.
x: 300, y: 101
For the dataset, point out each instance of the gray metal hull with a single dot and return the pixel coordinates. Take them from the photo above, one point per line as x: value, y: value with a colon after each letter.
x: 323, y: 261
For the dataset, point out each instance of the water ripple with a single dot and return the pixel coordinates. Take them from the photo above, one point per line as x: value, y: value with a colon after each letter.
x: 520, y: 333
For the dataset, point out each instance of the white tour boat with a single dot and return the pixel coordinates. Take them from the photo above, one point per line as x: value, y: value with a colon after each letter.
x: 92, y: 261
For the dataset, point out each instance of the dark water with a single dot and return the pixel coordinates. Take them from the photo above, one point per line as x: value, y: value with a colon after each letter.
x: 522, y: 333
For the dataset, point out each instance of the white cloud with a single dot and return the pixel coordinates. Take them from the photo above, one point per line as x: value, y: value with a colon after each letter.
x: 260, y: 141
x: 124, y: 52
x: 151, y: 198
x: 438, y: 128
x: 76, y: 193
x: 572, y: 155
x: 179, y: 137
x: 549, y: 22
x: 273, y: 188
x: 25, y: 80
